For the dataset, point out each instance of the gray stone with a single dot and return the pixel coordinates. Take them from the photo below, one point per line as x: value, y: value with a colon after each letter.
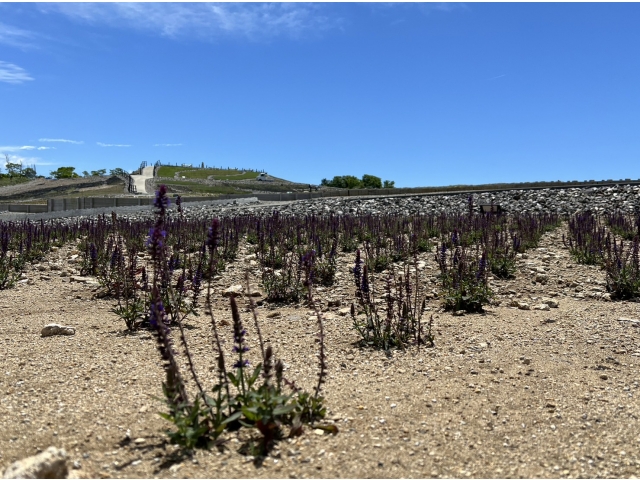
x: 55, y: 329
x: 541, y: 278
x: 52, y: 463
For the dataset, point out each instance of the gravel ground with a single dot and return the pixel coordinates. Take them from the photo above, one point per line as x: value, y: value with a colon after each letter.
x: 508, y: 393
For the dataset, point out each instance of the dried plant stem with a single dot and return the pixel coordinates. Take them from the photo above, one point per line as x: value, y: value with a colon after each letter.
x: 183, y: 340
x: 252, y: 306
x: 217, y: 338
x: 322, y: 356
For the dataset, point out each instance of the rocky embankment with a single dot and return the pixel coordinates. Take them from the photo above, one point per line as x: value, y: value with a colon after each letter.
x: 622, y: 198
x: 625, y: 198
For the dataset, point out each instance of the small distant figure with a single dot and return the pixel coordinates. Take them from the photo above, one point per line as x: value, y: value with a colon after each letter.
x: 179, y: 203
x: 309, y: 188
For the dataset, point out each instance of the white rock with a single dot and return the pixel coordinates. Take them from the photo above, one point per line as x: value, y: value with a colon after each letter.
x: 52, y: 463
x: 542, y: 306
x: 55, y: 329
x: 85, y: 280
x: 233, y: 291
x: 519, y: 304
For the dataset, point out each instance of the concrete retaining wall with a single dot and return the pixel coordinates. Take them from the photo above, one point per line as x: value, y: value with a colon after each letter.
x: 23, y: 208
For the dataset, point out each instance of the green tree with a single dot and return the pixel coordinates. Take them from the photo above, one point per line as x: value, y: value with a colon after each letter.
x: 85, y: 173
x: 64, y: 172
x: 371, y: 181
x: 98, y: 173
x: 29, y: 172
x: 13, y: 169
x: 389, y: 184
x: 118, y: 172
x: 344, y: 181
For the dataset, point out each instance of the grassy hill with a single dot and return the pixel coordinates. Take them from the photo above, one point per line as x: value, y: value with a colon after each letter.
x: 220, y: 181
x: 204, y: 173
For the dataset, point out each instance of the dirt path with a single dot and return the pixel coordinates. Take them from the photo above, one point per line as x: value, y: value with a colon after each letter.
x: 140, y: 181
x: 510, y: 393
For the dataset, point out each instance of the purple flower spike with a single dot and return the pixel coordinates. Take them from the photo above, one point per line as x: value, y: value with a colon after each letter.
x: 157, y: 314
x: 241, y: 364
x: 213, y: 235
x: 162, y: 201
x: 357, y: 270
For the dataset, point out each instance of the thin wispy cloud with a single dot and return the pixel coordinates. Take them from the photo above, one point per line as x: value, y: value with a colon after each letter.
x: 10, y: 73
x: 253, y: 20
x: 111, y: 144
x: 499, y: 76
x: 392, y: 8
x: 61, y: 140
x: 444, y: 7
x: 167, y: 145
x: 16, y: 37
x: 14, y: 148
x: 24, y: 160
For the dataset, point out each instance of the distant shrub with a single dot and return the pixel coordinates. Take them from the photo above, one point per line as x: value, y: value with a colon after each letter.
x: 349, y: 181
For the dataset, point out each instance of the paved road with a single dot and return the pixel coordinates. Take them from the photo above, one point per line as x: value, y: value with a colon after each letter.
x: 140, y: 180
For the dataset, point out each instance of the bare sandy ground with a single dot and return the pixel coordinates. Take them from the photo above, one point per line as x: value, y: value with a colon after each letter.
x: 508, y: 393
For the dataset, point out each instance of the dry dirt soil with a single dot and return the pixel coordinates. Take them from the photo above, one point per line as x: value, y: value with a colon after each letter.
x: 507, y: 393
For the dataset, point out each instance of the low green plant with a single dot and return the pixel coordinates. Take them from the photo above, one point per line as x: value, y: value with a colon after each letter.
x: 400, y: 323
x: 10, y: 269
x: 622, y: 266
x: 243, y: 396
x: 464, y: 279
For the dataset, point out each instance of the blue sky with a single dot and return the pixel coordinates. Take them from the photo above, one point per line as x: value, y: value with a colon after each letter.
x: 423, y: 94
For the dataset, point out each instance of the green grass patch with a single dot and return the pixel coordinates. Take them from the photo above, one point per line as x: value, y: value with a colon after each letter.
x: 203, y: 173
x: 14, y: 181
x: 200, y: 188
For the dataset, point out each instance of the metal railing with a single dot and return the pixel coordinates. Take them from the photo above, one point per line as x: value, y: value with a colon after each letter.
x: 131, y: 187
